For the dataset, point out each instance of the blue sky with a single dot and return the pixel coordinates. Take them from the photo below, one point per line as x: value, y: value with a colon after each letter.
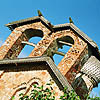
x: 85, y: 14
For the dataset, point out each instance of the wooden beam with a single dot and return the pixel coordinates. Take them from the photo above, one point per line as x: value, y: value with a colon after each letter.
x: 28, y: 43
x: 69, y: 44
x: 59, y: 53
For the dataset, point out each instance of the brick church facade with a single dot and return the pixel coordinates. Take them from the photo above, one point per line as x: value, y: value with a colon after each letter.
x: 79, y: 69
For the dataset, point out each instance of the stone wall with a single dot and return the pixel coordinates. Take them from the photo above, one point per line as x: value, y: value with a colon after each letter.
x: 20, y: 78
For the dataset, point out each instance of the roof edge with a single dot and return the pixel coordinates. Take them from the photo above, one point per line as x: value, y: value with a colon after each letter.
x: 15, y: 24
x: 20, y: 21
x: 83, y: 35
x: 54, y: 27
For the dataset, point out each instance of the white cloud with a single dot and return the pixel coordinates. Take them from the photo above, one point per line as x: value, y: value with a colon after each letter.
x: 22, y: 55
x: 1, y: 42
x: 93, y: 94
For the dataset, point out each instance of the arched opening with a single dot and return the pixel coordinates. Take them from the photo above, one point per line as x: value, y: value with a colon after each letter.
x: 64, y: 44
x: 34, y: 37
x: 33, y: 33
x: 28, y: 48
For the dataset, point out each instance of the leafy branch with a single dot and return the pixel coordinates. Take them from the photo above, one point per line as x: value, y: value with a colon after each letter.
x: 41, y: 93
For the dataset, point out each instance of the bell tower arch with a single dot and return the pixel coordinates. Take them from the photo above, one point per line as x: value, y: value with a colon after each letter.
x: 74, y: 64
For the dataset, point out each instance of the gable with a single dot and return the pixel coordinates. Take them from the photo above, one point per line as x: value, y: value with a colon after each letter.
x: 55, y: 28
x: 19, y: 73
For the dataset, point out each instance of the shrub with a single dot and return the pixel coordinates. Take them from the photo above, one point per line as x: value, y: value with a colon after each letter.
x: 39, y: 93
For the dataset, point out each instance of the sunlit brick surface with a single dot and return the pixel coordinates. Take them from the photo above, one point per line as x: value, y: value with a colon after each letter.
x: 14, y: 83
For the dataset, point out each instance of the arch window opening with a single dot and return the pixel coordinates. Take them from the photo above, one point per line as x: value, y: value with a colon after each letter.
x: 28, y: 48
x: 64, y: 44
x: 57, y: 58
x: 34, y: 36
